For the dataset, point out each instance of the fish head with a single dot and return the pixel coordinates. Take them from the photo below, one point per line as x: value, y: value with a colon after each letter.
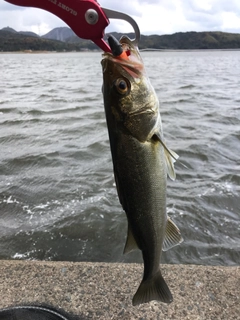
x: 128, y: 93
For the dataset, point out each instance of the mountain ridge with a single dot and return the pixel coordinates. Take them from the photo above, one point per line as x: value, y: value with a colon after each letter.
x: 64, y: 39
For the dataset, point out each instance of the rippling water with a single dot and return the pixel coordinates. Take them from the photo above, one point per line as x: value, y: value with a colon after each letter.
x: 57, y: 194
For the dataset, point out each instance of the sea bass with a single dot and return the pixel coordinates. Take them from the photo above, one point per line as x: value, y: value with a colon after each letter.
x: 141, y: 162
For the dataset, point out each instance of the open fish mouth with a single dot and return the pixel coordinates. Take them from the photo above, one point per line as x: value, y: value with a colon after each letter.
x: 132, y: 62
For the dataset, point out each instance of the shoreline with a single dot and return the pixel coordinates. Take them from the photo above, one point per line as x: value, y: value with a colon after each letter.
x: 48, y: 52
x: 105, y: 290
x: 99, y: 51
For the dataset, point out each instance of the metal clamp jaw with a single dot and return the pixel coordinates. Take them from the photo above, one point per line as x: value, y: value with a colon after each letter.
x: 85, y: 17
x: 111, y: 14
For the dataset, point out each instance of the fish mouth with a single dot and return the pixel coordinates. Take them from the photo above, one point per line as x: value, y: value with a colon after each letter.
x: 133, y: 64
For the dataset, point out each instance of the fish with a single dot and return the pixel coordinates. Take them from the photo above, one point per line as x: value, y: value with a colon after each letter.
x: 141, y: 163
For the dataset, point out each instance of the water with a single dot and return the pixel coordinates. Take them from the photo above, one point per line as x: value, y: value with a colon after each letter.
x: 57, y: 193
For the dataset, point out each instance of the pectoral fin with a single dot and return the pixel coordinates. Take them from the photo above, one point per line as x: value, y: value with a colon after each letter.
x: 170, y: 158
x: 172, y: 236
x: 130, y: 242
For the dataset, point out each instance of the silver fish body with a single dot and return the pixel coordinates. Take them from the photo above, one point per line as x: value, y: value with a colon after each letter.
x: 141, y: 163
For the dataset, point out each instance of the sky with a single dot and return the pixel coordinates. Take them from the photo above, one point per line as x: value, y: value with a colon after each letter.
x: 152, y: 16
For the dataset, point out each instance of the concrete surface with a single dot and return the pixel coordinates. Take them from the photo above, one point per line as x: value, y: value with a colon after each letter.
x: 105, y: 291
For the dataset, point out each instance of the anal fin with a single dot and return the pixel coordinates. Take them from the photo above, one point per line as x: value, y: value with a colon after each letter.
x: 172, y: 236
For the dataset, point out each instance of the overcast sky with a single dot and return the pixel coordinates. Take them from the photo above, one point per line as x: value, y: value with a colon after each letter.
x: 152, y: 16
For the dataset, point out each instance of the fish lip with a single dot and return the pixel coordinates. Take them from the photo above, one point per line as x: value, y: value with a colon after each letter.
x: 145, y: 109
x: 133, y: 65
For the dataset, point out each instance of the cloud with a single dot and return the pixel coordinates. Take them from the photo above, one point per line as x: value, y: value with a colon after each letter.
x: 5, y: 6
x: 153, y: 16
x: 225, y: 6
x: 211, y: 6
x: 132, y: 7
x: 200, y: 15
x: 167, y: 4
x: 27, y: 19
x: 212, y: 14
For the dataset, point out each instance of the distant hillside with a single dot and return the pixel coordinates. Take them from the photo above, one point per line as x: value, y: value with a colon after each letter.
x: 8, y: 29
x: 180, y: 40
x: 11, y: 40
x: 192, y: 40
x: 66, y: 34
x: 64, y: 39
x: 60, y: 34
x: 29, y: 33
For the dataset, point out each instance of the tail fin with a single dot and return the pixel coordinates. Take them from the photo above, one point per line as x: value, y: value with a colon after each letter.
x: 153, y: 289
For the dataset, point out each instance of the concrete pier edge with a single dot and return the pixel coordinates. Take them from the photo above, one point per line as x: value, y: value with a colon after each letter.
x: 105, y: 290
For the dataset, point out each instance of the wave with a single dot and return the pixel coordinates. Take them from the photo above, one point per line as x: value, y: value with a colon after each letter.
x: 58, y: 200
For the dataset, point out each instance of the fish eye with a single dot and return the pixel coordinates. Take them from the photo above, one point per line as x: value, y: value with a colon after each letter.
x: 122, y: 86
